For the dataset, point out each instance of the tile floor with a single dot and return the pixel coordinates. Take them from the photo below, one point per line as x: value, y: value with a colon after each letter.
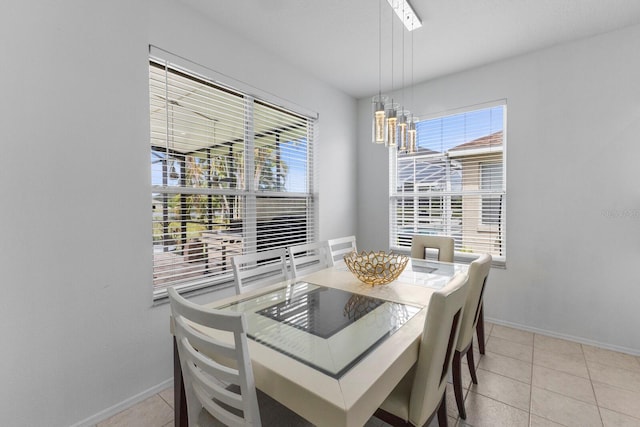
x: 524, y: 379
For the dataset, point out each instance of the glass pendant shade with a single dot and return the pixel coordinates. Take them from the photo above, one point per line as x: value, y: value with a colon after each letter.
x: 412, y: 136
x: 403, y: 121
x: 391, y: 124
x: 378, y: 131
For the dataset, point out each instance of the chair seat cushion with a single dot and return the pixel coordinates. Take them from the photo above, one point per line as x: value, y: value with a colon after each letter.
x: 397, y: 403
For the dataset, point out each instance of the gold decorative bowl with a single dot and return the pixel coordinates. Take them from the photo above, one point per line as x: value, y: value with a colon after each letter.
x: 376, y: 268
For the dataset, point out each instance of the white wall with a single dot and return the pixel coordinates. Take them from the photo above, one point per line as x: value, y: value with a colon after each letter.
x: 80, y: 333
x: 573, y: 203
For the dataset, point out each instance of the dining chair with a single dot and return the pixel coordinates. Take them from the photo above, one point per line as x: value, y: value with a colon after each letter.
x: 478, y: 273
x: 421, y: 393
x: 218, y: 376
x: 255, y: 270
x: 308, y: 257
x: 444, y: 245
x: 340, y: 247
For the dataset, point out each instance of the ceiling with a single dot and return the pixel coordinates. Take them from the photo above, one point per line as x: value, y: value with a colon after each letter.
x: 337, y: 41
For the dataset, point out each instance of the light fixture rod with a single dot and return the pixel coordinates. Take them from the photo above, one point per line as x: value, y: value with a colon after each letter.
x: 406, y: 14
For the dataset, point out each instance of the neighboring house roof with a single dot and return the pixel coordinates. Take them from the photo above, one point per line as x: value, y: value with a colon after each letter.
x: 491, y: 140
x: 415, y: 169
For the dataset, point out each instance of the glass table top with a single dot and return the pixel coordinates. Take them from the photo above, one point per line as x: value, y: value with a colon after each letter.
x: 432, y: 274
x: 328, y: 329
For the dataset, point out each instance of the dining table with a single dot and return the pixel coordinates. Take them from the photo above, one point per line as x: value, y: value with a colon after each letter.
x: 330, y: 347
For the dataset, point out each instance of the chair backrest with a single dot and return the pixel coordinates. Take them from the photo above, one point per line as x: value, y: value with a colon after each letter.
x: 339, y: 247
x: 436, y: 349
x: 252, y: 271
x: 478, y: 273
x: 208, y: 383
x: 444, y: 245
x: 309, y: 257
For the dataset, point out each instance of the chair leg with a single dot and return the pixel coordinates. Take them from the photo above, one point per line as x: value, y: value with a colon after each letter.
x: 394, y: 420
x: 457, y: 383
x: 480, y: 329
x: 471, y: 363
x: 179, y: 396
x: 442, y: 411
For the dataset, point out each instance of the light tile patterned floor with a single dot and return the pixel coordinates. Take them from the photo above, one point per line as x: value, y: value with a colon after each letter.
x: 524, y: 379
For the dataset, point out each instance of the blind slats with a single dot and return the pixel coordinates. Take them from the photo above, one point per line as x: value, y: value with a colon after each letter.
x: 454, y: 184
x: 216, y: 193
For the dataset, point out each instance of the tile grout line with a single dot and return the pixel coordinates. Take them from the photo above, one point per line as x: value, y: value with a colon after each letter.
x: 595, y: 396
x: 531, y: 414
x: 533, y: 355
x: 608, y: 385
x: 469, y: 391
x: 164, y: 400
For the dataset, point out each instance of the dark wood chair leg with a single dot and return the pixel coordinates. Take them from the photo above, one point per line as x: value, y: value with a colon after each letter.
x: 480, y: 329
x: 395, y: 421
x: 471, y: 363
x: 391, y: 419
x: 457, y: 383
x: 442, y: 411
x: 180, y: 414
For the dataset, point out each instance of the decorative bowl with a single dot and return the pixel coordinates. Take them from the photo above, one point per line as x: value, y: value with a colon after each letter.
x: 376, y: 268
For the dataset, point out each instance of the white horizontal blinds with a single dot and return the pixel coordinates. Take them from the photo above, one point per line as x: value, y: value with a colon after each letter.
x: 281, y: 149
x: 282, y: 185
x: 454, y: 185
x: 194, y: 119
x: 205, y: 208
x: 197, y: 144
x: 282, y: 221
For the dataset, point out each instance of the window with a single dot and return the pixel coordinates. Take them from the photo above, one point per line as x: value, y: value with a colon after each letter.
x: 454, y: 184
x: 230, y: 174
x: 491, y: 182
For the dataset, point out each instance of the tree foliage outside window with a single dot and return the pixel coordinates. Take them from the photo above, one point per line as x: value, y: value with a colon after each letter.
x: 230, y: 174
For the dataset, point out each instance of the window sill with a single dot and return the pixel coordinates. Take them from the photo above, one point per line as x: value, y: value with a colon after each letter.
x: 162, y: 297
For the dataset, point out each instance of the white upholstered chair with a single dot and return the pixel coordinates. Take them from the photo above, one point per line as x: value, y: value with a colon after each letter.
x: 252, y: 271
x: 478, y: 273
x: 421, y: 393
x: 444, y: 245
x: 221, y: 394
x: 308, y: 257
x: 340, y: 247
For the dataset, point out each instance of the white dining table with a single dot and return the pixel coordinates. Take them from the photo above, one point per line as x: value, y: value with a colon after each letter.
x: 333, y: 367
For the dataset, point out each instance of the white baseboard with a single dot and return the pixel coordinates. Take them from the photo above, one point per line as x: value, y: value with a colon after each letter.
x: 125, y: 404
x: 633, y: 351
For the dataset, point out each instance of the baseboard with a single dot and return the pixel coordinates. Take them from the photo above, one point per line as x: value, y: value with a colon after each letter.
x: 125, y: 404
x: 632, y: 351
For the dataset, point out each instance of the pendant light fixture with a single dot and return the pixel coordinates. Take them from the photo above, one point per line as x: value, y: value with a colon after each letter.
x: 378, y: 131
x: 403, y: 122
x: 412, y: 134
x: 404, y: 114
x: 391, y: 123
x: 379, y: 119
x: 395, y: 127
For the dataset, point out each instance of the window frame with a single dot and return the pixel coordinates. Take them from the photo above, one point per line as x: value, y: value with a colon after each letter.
x: 256, y: 194
x: 400, y: 243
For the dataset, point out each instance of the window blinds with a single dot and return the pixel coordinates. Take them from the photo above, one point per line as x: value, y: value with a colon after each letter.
x: 454, y: 184
x: 230, y: 174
